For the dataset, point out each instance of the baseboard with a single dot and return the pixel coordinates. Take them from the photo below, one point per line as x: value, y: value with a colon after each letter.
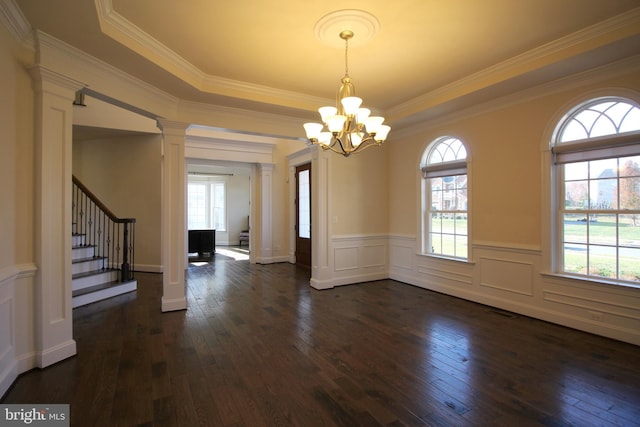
x: 174, y: 304
x: 272, y: 260
x: 149, y: 268
x: 56, y: 354
x: 7, y: 377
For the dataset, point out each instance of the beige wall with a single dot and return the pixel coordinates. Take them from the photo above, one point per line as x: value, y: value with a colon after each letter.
x: 504, y: 145
x: 16, y: 154
x: 359, y: 193
x: 125, y: 173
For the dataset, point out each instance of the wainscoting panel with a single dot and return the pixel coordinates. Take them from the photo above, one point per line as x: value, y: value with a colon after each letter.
x: 374, y: 256
x: 510, y: 277
x: 507, y: 275
x: 359, y: 258
x: 8, y: 363
x: 607, y: 309
x: 346, y: 259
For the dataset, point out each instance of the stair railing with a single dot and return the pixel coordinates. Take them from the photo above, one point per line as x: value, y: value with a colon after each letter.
x: 112, y: 237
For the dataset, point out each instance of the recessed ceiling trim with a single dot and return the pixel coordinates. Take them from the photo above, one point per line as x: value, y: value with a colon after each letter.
x: 128, y: 34
x: 619, y: 27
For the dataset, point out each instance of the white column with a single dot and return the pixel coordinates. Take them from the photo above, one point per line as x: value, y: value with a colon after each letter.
x: 265, y: 172
x: 173, y: 214
x: 52, y: 215
x: 321, y: 259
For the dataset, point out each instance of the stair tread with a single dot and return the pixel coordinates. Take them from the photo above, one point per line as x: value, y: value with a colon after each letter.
x: 87, y: 259
x: 83, y: 246
x: 100, y: 287
x: 93, y: 273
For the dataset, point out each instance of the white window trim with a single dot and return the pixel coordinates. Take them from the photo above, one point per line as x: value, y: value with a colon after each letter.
x: 555, y: 155
x: 427, y: 171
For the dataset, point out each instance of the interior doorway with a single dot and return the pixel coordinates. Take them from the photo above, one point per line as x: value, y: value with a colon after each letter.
x: 303, y: 215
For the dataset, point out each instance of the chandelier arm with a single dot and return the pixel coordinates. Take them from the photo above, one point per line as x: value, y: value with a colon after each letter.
x: 330, y: 147
x: 341, y: 146
x: 363, y: 146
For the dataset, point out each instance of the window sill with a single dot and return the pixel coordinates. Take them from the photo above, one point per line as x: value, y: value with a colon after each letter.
x: 592, y: 280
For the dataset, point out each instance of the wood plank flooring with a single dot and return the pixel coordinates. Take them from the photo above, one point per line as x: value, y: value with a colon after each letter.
x: 259, y: 347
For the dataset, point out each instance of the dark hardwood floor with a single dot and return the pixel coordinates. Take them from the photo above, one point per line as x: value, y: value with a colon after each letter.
x: 259, y: 347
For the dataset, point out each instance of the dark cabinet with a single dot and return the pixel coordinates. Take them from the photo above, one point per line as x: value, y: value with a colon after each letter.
x: 202, y: 242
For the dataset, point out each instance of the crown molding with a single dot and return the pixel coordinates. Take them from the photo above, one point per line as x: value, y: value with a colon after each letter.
x: 50, y: 49
x: 593, y: 76
x: 16, y: 23
x: 613, y: 29
x: 124, y: 31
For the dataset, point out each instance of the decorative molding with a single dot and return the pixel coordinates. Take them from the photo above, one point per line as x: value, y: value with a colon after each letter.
x: 149, y: 268
x: 533, y: 59
x: 96, y: 67
x: 572, y: 81
x: 119, y: 28
x: 508, y: 247
x: 8, y: 274
x: 505, y: 274
x: 55, y: 354
x: 16, y: 23
x: 173, y: 304
x: 581, y: 302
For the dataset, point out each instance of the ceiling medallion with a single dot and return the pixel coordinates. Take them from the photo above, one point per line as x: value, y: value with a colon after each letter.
x: 362, y: 24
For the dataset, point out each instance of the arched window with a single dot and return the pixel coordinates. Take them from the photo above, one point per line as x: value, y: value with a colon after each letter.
x: 444, y: 199
x: 596, y: 150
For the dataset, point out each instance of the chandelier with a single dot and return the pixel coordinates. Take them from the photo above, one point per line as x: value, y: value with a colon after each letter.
x: 347, y: 128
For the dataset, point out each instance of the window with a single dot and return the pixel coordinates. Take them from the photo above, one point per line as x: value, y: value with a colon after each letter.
x: 597, y: 182
x: 444, y: 207
x: 206, y: 203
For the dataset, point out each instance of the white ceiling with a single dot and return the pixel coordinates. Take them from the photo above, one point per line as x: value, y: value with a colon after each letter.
x: 428, y: 56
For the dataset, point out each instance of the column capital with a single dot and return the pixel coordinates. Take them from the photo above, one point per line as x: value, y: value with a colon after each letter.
x: 172, y: 127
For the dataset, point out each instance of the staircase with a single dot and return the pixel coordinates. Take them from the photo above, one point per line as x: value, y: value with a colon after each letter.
x: 92, y: 280
x: 102, y: 250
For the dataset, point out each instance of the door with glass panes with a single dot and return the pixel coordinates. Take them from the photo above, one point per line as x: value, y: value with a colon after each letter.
x: 303, y: 215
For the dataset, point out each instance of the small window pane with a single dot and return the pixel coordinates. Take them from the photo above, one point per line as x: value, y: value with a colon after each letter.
x: 630, y: 193
x: 629, y: 231
x: 604, y: 194
x: 603, y: 261
x: 576, y: 195
x: 603, y: 230
x: 575, y: 258
x: 436, y: 243
x: 603, y: 126
x: 605, y: 168
x: 631, y: 122
x: 630, y: 166
x: 629, y: 265
x: 575, y: 228
x: 436, y: 223
x: 448, y: 245
x: 587, y: 118
x: 576, y: 171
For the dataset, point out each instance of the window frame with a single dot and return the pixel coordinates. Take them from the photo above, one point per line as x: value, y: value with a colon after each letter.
x: 210, y: 181
x: 585, y: 150
x: 444, y: 168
